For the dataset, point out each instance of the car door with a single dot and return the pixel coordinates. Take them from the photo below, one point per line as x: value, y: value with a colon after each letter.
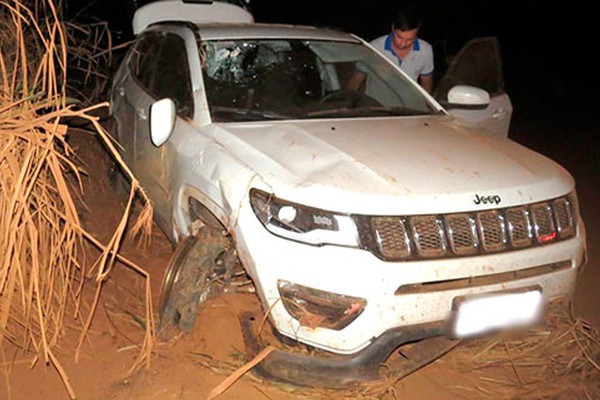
x: 479, y: 64
x: 130, y: 89
x: 156, y: 166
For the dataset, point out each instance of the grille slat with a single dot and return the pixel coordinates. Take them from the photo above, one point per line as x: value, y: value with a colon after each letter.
x: 428, y: 235
x: 462, y: 234
x: 492, y: 230
x: 564, y: 217
x: 468, y: 234
x: 392, y: 238
x: 519, y: 227
x: 543, y: 222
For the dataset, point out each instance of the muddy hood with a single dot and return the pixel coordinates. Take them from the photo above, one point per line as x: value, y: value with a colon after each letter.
x: 414, y: 165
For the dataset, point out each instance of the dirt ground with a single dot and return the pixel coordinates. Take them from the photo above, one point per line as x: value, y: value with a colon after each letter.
x: 189, y: 367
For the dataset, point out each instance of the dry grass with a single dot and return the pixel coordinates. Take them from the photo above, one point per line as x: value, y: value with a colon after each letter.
x: 90, y: 57
x: 42, y: 278
x: 559, y: 361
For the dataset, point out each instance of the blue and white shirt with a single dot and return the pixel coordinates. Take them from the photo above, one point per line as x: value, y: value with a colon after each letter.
x: 419, y: 62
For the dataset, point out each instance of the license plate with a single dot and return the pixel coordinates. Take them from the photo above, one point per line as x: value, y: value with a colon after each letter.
x: 480, y: 314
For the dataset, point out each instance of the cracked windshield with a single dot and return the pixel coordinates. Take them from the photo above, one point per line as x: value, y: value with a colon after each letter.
x: 254, y: 80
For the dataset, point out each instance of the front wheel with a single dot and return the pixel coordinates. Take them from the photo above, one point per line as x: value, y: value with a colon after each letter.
x: 194, y: 265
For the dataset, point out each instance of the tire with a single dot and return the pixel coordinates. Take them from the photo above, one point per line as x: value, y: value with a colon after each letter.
x: 187, y: 280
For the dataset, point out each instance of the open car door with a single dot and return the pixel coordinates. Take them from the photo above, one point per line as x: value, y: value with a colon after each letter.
x: 479, y: 64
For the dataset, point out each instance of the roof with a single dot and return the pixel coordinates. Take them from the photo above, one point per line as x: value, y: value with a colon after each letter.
x: 185, y: 10
x: 268, y: 31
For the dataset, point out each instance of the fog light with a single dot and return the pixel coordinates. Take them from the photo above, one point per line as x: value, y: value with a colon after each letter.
x: 316, y: 308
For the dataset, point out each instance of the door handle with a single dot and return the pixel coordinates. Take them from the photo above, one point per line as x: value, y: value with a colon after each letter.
x: 500, y: 113
x: 142, y: 113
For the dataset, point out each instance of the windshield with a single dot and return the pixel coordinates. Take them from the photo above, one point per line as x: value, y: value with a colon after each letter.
x: 266, y: 79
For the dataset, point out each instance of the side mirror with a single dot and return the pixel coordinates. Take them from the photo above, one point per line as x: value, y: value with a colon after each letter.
x: 162, y: 121
x: 468, y: 97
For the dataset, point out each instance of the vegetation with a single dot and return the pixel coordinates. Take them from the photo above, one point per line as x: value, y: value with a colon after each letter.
x: 42, y: 240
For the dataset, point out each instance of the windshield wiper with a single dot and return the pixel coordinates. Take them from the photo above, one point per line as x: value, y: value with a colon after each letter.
x: 372, y: 111
x: 256, y: 115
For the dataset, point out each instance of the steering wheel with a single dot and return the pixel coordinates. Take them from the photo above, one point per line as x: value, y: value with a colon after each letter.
x: 343, y: 95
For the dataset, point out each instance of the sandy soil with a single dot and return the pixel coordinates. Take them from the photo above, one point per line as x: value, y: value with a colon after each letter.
x: 192, y: 365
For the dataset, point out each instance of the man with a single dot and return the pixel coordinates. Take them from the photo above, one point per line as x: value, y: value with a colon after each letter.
x: 413, y: 55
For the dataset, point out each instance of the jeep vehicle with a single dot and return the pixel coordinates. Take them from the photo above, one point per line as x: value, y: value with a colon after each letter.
x: 365, y: 219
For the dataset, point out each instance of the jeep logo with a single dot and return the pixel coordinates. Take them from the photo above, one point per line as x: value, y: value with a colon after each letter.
x: 492, y: 199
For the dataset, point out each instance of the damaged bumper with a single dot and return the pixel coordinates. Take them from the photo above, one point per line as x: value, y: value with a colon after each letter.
x: 342, y: 371
x: 338, y: 299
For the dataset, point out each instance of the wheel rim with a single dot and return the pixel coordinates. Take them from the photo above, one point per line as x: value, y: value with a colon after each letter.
x: 173, y: 269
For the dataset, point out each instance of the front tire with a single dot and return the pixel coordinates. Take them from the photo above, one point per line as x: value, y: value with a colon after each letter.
x: 191, y: 270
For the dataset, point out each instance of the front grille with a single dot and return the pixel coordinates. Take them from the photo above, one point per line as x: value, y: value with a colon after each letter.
x: 467, y: 234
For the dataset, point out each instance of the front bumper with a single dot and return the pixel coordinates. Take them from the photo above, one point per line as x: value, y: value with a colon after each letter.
x: 398, y: 295
x: 342, y: 371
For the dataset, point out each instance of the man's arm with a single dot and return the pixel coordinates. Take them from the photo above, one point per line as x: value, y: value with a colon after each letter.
x: 426, y: 81
x: 356, y: 80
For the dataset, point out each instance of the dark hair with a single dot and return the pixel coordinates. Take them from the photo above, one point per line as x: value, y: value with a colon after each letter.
x: 407, y: 18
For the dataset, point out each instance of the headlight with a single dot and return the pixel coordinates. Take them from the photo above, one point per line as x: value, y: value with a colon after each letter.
x: 301, y: 223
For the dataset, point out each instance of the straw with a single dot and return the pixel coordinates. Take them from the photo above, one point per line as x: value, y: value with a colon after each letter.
x: 42, y: 272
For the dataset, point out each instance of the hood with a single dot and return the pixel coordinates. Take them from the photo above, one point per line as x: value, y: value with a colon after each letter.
x: 415, y: 165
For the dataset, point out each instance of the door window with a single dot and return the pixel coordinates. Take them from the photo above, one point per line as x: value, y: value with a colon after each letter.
x: 141, y: 62
x: 477, y: 64
x: 159, y: 64
x: 173, y: 78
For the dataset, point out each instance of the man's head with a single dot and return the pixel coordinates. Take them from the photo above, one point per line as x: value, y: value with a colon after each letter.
x: 405, y: 26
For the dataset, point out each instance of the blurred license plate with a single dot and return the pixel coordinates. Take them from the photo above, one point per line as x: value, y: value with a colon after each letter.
x: 480, y: 314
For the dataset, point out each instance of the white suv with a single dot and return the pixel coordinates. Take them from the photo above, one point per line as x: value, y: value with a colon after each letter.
x: 358, y: 214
